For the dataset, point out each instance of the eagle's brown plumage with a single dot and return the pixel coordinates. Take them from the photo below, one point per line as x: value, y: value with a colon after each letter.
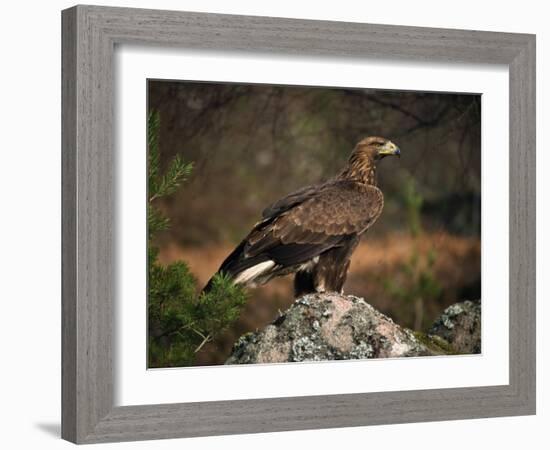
x: 313, y: 231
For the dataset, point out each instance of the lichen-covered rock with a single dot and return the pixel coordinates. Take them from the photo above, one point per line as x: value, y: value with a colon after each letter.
x: 460, y: 326
x: 320, y: 327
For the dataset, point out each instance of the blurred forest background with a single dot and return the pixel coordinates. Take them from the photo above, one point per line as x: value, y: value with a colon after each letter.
x: 252, y: 144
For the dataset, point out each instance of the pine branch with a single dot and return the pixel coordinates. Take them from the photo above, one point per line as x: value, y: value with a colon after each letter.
x: 180, y: 324
x: 167, y: 184
x: 153, y: 126
x: 156, y: 221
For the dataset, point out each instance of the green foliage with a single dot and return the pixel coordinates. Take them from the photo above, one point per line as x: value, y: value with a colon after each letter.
x: 180, y: 322
x: 221, y: 305
x: 415, y: 282
x: 161, y: 185
x: 156, y: 222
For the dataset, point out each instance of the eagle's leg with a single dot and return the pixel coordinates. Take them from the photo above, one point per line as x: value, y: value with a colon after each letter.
x: 331, y: 272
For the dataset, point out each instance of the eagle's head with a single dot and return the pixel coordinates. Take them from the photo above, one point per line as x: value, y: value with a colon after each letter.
x: 362, y: 162
x: 375, y: 148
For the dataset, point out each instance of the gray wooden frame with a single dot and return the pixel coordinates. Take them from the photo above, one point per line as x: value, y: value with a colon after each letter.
x: 89, y: 36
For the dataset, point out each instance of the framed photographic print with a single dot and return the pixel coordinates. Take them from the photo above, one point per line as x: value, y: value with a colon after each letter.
x: 277, y: 224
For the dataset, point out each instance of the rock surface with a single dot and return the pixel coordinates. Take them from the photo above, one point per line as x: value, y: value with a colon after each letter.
x: 320, y: 327
x: 460, y: 326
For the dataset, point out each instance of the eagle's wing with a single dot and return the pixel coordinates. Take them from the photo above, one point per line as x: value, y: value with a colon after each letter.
x: 291, y: 200
x: 341, y: 208
x: 306, y: 225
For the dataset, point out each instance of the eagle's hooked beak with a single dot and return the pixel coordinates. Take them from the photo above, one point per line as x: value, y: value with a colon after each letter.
x: 389, y: 149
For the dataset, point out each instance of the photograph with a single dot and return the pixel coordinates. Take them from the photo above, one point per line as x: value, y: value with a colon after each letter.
x: 304, y: 223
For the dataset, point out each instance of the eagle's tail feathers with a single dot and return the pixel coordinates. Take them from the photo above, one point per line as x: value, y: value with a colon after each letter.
x: 242, y: 269
x: 248, y: 275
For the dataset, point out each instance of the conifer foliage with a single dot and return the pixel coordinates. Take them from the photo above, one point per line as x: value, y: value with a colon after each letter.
x: 180, y: 321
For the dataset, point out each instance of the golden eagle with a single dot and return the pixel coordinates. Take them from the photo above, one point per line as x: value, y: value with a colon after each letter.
x: 313, y: 232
